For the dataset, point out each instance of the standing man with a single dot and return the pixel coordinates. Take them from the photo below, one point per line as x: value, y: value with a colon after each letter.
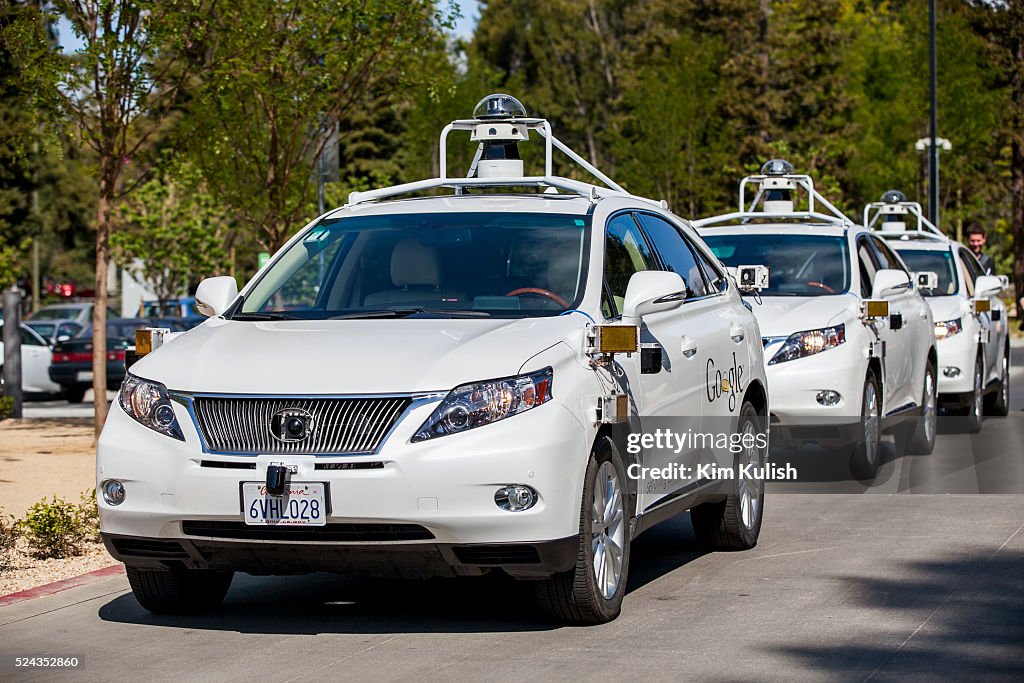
x: 976, y: 241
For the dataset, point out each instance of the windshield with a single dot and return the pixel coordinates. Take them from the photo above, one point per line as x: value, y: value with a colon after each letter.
x: 799, y: 265
x: 938, y: 262
x: 427, y: 265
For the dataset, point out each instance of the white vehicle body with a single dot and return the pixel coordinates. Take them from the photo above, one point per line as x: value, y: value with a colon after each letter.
x: 36, y: 356
x: 823, y: 270
x: 401, y: 502
x: 972, y: 344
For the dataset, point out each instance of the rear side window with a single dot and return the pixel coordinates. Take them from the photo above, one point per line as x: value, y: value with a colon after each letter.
x: 675, y: 253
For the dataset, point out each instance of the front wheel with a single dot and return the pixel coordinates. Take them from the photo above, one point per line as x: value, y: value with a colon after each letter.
x: 867, y: 452
x: 976, y: 409
x: 921, y: 432
x: 999, y: 403
x: 735, y: 523
x: 592, y: 592
x: 178, y: 590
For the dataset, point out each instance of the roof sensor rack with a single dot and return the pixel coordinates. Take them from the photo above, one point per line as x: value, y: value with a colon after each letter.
x: 775, y: 187
x: 498, y: 125
x: 888, y: 218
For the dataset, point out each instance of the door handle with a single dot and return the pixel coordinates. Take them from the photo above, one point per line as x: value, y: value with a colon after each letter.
x: 688, y: 347
x: 737, y: 333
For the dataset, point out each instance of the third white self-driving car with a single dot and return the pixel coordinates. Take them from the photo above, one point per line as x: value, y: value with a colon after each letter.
x: 971, y: 332
x: 444, y: 385
x: 848, y: 337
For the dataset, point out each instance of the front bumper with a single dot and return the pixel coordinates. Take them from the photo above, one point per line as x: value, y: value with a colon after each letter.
x: 444, y: 486
x: 961, y: 352
x: 795, y: 385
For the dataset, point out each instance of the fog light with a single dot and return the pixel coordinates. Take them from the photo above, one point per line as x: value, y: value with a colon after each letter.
x: 828, y: 397
x: 113, y: 492
x: 951, y: 372
x: 515, y: 498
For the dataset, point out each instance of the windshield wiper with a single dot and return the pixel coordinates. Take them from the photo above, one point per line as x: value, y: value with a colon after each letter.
x: 263, y: 316
x: 406, y: 312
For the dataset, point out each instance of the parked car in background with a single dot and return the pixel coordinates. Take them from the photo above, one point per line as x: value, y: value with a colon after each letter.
x: 849, y: 340
x: 55, y: 331
x: 971, y: 330
x: 35, y: 363
x: 80, y: 312
x: 185, y: 307
x: 72, y: 360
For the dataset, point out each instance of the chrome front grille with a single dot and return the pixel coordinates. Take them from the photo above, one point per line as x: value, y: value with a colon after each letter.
x: 346, y: 426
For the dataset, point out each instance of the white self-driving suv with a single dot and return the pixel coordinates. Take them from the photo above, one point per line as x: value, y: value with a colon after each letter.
x: 971, y: 330
x: 441, y: 386
x: 848, y: 338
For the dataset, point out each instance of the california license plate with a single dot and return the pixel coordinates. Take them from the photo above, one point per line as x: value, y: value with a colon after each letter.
x: 301, y: 505
x: 84, y: 376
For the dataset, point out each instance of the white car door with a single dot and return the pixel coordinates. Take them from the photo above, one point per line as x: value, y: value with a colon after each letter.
x: 670, y: 398
x: 904, y: 349
x: 35, y: 364
x: 990, y: 339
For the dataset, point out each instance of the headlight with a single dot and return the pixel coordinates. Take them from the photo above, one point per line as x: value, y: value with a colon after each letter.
x: 809, y: 343
x: 475, y: 405
x: 148, y: 404
x: 948, y: 328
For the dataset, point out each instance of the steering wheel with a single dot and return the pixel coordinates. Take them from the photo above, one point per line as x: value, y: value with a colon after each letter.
x: 828, y: 289
x: 538, y: 291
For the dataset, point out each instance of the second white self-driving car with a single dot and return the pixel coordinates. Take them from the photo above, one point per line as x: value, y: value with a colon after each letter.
x: 444, y: 385
x: 971, y: 333
x: 848, y: 337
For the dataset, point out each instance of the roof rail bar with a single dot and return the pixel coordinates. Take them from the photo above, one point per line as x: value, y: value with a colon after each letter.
x: 775, y: 186
x: 500, y: 120
x: 893, y: 204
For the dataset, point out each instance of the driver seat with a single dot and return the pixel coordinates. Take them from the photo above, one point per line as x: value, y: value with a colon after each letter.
x: 416, y: 273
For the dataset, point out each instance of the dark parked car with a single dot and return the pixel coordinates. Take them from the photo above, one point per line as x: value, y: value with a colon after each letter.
x: 72, y: 360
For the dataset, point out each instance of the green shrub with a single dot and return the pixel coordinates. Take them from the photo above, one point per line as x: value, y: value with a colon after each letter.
x: 9, y: 533
x: 6, y: 406
x: 55, y: 529
x: 90, y: 514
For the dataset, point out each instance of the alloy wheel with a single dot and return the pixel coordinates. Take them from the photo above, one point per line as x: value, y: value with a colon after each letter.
x: 608, y: 530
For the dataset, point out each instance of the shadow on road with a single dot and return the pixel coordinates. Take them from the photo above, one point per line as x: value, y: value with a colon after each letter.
x: 968, y: 614
x: 330, y: 603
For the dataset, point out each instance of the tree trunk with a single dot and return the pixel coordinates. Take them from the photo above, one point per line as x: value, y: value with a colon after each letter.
x: 1017, y: 220
x: 108, y: 180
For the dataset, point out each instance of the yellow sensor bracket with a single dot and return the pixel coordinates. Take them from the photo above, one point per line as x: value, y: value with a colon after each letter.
x: 982, y: 306
x: 149, y: 339
x: 874, y: 309
x: 609, y: 339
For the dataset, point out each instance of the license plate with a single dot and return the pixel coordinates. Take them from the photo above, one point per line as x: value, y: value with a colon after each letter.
x: 84, y: 376
x: 301, y: 505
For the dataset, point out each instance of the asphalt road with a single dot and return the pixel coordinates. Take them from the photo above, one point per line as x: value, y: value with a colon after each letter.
x: 923, y: 577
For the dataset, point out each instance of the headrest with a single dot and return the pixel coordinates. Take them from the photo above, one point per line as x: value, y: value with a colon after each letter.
x: 413, y: 264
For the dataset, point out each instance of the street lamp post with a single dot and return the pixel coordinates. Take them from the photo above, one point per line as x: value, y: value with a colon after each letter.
x: 933, y: 132
x: 932, y: 146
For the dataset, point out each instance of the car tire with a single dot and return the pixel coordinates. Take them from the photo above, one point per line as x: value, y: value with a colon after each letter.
x: 735, y: 523
x: 920, y: 434
x: 178, y: 590
x: 73, y: 394
x: 998, y: 404
x: 588, y: 593
x: 975, y: 413
x: 867, y: 451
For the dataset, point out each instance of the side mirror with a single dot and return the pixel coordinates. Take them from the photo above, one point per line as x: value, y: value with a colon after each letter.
x: 215, y: 294
x: 927, y: 279
x: 653, y: 291
x: 889, y: 282
x: 988, y: 286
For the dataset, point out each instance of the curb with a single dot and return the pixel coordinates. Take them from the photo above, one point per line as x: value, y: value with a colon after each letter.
x: 58, y: 586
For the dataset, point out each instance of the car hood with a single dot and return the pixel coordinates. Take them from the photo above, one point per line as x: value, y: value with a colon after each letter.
x: 349, y: 356
x: 781, y: 316
x: 948, y: 307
